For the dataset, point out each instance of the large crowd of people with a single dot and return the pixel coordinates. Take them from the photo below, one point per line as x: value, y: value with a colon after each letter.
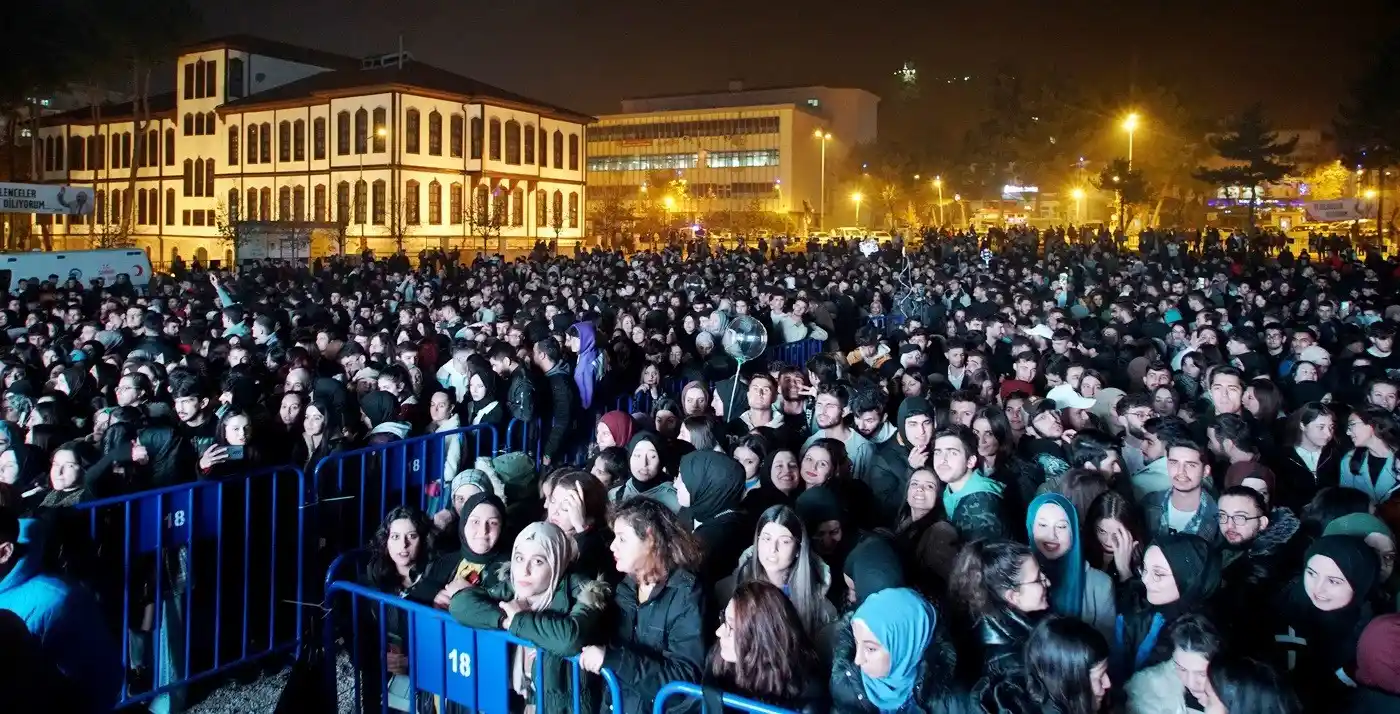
x: 1056, y: 476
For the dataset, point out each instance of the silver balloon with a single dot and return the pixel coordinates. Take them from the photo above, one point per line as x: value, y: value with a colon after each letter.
x: 693, y: 284
x: 745, y: 339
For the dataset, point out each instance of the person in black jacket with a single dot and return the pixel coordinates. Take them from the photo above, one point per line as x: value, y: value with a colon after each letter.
x: 1063, y: 670
x: 1003, y: 593
x: 520, y: 389
x: 660, y: 606
x: 563, y: 396
x: 1308, y: 459
x: 896, y: 459
x: 895, y: 654
x: 709, y: 489
x: 1260, y: 553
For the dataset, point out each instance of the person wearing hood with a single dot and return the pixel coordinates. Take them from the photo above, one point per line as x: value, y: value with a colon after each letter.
x: 615, y: 428
x: 1261, y: 549
x: 895, y: 657
x: 64, y: 618
x: 482, y: 405
x: 1076, y: 590
x: 709, y: 489
x: 894, y: 460
x: 538, y: 597
x: 1381, y: 538
x: 481, y: 520
x: 588, y: 370
x: 779, y: 482
x: 1180, y: 573
x: 1377, y: 668
x: 23, y: 467
x: 1321, y: 616
x: 380, y: 412
x: 649, y: 464
x: 972, y: 501
x: 157, y: 457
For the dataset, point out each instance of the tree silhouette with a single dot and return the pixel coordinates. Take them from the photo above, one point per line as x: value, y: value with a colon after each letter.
x: 1256, y: 152
x: 1126, y: 183
x: 1368, y: 124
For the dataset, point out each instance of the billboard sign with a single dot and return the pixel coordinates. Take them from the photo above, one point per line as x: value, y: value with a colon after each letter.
x: 45, y: 198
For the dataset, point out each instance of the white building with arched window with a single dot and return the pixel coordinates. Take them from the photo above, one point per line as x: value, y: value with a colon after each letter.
x: 394, y: 152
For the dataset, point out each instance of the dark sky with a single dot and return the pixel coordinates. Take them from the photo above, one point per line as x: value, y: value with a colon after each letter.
x: 1296, y: 56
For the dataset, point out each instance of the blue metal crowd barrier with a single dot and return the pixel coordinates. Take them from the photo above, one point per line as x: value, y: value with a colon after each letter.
x: 375, y: 479
x: 445, y: 661
x: 796, y: 353
x: 198, y: 578
x: 730, y: 701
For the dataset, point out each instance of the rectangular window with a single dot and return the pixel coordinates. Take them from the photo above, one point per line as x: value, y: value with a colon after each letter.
x: 435, y: 204
x: 410, y: 203
x: 318, y: 204
x: 185, y: 217
x: 169, y: 206
x: 639, y: 162
x: 342, y: 134
x: 211, y: 79
x: 284, y: 141
x: 454, y: 204
x: 299, y: 141
x: 741, y: 159
x: 199, y: 218
x: 189, y: 87
x: 541, y: 208
x: 360, y: 201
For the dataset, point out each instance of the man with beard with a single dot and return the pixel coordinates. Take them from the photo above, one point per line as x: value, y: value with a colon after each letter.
x: 832, y: 408
x: 1133, y: 411
x: 1259, y: 554
x: 868, y: 412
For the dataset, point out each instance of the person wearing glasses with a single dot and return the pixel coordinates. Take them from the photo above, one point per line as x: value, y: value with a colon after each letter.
x: 1261, y: 550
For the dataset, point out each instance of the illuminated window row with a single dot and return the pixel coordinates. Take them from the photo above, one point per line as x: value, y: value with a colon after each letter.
x: 684, y: 129
x: 655, y: 162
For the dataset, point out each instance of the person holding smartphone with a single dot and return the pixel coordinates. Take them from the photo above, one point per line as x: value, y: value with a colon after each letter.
x: 230, y: 454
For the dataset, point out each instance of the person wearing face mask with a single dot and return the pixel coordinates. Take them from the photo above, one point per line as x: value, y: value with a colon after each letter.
x: 709, y: 489
x: 1261, y: 550
x: 482, y: 519
x: 894, y: 658
x: 648, y: 458
x: 1179, y: 685
x: 1076, y: 590
x: 1064, y: 670
x: 539, y: 597
x: 1180, y: 573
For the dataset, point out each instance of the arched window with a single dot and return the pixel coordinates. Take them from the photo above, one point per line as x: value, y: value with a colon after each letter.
x: 233, y: 205
x: 481, y: 204
x: 377, y: 202
x: 299, y: 203
x: 530, y: 144
x: 200, y: 90
x: 495, y: 139
x: 169, y: 206
x: 342, y: 202
x: 342, y: 134
x: 284, y: 140
x: 476, y: 137
x: 189, y: 124
x: 199, y: 177
x: 455, y: 132
x: 211, y: 82
x: 318, y: 203
x: 95, y: 152
x: 235, y: 78
x: 77, y: 153
x: 265, y: 142
x: 116, y: 206
x: 153, y: 148
x: 517, y: 206
x: 434, y: 133
x: 252, y: 214
x: 252, y: 144
x: 454, y: 204
x: 284, y: 203
x: 381, y: 130
x: 209, y: 123
x: 126, y: 152
x: 411, y: 131
x: 299, y: 140
x: 500, y: 201
x: 361, y: 131
x: 434, y: 203
x: 318, y: 138
x: 170, y: 146
x: 209, y: 178
x: 573, y: 152
x: 557, y: 217
x: 189, y: 178
x: 513, y: 142
x: 233, y: 154
x: 544, y: 148
x: 142, y: 215
x: 361, y: 200
x: 558, y: 149
x: 265, y: 204
x: 411, y: 203
x: 99, y: 207
x: 541, y: 210
x: 573, y: 209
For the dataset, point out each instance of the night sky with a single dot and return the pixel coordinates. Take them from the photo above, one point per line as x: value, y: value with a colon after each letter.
x: 1297, y: 56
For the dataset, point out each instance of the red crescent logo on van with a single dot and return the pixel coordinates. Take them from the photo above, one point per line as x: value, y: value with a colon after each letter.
x: 139, y: 270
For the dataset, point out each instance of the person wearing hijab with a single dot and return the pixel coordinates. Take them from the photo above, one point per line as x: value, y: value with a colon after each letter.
x: 1378, y: 668
x: 614, y: 429
x: 1321, y: 616
x: 709, y: 489
x: 893, y: 659
x: 1076, y: 590
x: 783, y: 490
x: 482, y: 520
x: 1381, y: 538
x: 23, y: 467
x: 588, y: 371
x: 380, y: 414
x: 648, y: 458
x: 1180, y: 572
x: 539, y: 597
x: 830, y: 533
x: 482, y: 405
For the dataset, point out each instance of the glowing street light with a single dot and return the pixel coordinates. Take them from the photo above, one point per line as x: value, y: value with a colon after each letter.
x: 823, y: 137
x: 856, y: 197
x: 1078, y: 194
x: 1130, y: 124
x: 1370, y: 194
x: 938, y: 184
x: 670, y: 202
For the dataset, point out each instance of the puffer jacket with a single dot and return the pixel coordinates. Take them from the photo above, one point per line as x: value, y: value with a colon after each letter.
x: 1255, y: 576
x: 657, y: 641
x: 937, y: 691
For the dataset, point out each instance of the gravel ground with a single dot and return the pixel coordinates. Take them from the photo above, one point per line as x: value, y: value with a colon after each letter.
x: 260, y: 697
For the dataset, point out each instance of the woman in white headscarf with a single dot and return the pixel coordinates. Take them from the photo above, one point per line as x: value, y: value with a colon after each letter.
x: 538, y: 599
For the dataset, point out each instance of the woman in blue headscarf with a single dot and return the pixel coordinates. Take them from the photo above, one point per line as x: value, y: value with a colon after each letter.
x: 1076, y: 590
x: 904, y: 663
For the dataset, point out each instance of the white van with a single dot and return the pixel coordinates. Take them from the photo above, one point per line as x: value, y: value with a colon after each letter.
x: 83, y: 265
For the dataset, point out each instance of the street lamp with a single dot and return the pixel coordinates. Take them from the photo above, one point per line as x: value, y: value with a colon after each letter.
x: 1130, y: 125
x: 670, y: 202
x: 962, y: 212
x: 1078, y: 194
x: 856, y: 197
x: 938, y: 184
x: 823, y: 136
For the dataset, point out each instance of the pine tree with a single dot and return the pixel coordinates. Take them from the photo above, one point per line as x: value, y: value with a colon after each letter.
x: 1257, y: 152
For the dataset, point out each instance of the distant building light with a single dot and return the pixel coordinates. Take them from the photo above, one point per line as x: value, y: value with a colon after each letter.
x: 1008, y: 188
x: 814, y: 102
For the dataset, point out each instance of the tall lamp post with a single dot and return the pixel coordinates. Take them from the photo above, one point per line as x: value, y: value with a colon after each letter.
x: 823, y: 137
x: 856, y: 197
x: 1078, y: 194
x: 1130, y: 124
x: 938, y: 184
x: 962, y: 212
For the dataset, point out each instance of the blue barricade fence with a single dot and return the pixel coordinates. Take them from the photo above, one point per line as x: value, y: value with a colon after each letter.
x: 357, y: 488
x: 796, y: 353
x: 444, y: 661
x: 730, y: 701
x: 197, y: 578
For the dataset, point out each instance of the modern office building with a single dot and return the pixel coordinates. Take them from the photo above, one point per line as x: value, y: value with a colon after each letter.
x: 388, y: 150
x: 737, y: 151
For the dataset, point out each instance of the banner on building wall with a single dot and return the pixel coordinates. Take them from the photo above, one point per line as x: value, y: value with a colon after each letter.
x: 44, y: 198
x: 1342, y: 209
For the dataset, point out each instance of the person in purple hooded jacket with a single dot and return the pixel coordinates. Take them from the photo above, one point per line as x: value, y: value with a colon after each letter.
x: 588, y: 371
